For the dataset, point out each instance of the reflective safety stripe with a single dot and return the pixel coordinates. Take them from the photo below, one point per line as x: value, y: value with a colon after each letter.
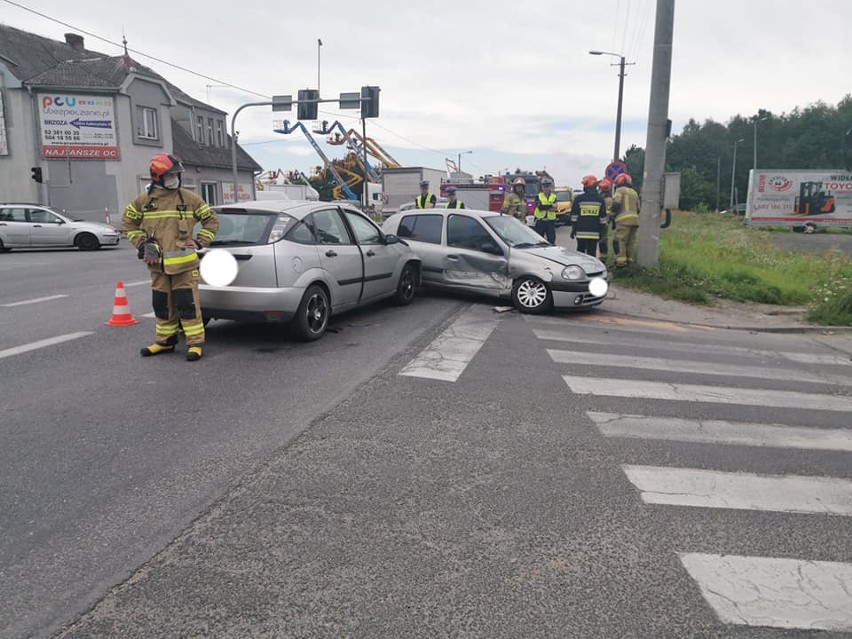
x: 192, y: 330
x: 588, y: 236
x: 205, y: 233
x: 132, y: 235
x: 167, y: 329
x: 202, y: 212
x: 181, y: 259
x: 160, y: 215
x: 132, y: 213
x: 626, y: 216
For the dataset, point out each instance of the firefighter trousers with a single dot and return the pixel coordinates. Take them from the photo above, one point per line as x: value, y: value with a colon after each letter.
x: 587, y: 245
x: 625, y: 236
x: 603, y: 243
x: 176, y: 306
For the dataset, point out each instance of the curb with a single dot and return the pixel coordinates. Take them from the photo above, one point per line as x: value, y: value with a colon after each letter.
x: 824, y: 330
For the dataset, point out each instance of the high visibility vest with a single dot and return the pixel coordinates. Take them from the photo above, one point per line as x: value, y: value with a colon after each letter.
x: 546, y: 200
x: 423, y: 201
x: 458, y: 204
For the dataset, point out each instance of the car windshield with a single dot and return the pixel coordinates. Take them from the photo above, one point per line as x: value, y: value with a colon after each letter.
x: 563, y: 196
x: 513, y: 233
x: 247, y: 226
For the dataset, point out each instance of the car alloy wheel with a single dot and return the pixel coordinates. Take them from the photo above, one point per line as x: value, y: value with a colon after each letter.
x: 313, y: 314
x: 530, y: 295
x: 407, y: 286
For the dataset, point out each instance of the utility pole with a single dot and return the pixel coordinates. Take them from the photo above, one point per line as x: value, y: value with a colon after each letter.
x: 658, y: 132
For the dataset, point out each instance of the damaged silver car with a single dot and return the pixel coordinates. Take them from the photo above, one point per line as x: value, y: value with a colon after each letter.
x: 488, y: 253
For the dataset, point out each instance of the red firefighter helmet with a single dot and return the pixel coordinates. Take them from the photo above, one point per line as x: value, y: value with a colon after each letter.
x: 163, y: 164
x: 604, y: 184
x: 623, y: 178
x: 589, y: 182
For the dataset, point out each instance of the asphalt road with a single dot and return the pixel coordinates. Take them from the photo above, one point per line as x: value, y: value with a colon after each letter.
x: 435, y: 470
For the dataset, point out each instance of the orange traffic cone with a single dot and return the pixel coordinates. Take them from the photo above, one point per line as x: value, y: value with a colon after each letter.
x: 120, y: 311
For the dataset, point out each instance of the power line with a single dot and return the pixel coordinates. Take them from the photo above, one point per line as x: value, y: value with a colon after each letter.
x: 136, y: 51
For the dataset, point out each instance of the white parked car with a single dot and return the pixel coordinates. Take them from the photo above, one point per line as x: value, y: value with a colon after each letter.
x: 37, y: 226
x: 488, y: 253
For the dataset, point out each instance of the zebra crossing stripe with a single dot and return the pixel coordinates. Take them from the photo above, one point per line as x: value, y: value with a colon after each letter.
x: 741, y: 491
x: 685, y: 366
x: 449, y: 354
x: 611, y: 387
x: 612, y: 340
x: 721, y: 432
x: 779, y: 593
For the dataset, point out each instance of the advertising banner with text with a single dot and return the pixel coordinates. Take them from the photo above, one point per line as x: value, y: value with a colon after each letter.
x: 78, y: 127
x: 785, y: 197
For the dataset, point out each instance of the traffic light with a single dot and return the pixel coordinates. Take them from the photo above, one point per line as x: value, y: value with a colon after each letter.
x: 370, y: 102
x: 307, y: 108
x: 36, y: 174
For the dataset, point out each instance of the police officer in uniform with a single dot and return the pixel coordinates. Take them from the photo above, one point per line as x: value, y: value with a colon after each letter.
x: 452, y: 201
x: 159, y: 224
x: 425, y: 200
x: 545, y: 212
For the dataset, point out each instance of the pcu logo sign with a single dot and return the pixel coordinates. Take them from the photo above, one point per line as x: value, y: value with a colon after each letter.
x: 780, y: 184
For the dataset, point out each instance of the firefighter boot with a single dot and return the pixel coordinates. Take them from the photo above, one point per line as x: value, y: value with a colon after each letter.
x: 157, y: 348
x: 193, y: 354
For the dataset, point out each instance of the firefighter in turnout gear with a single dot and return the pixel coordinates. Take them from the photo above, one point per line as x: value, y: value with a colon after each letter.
x: 159, y: 224
x: 453, y: 202
x: 515, y: 203
x: 545, y: 212
x: 625, y: 211
x: 588, y: 215
x: 425, y: 200
x: 605, y: 189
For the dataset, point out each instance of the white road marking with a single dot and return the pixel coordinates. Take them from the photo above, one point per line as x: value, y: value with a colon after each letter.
x: 612, y: 340
x: 685, y: 366
x: 779, y: 593
x: 34, y: 301
x: 43, y: 343
x: 139, y: 283
x: 741, y: 491
x: 610, y: 387
x: 449, y: 354
x: 721, y: 432
x: 151, y: 314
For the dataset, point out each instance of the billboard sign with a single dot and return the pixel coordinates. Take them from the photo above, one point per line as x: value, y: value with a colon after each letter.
x: 789, y: 197
x: 78, y: 127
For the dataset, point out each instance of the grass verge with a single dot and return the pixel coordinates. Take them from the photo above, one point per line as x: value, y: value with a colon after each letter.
x: 707, y: 256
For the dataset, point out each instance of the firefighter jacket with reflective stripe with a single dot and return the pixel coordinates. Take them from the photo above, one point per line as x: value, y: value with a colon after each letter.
x: 625, y: 206
x: 545, y: 207
x: 588, y: 215
x: 426, y: 201
x: 167, y: 217
x: 515, y: 205
x: 458, y: 204
x: 608, y: 201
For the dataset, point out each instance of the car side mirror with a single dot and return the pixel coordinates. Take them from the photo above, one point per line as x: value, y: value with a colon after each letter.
x: 390, y: 238
x: 490, y: 247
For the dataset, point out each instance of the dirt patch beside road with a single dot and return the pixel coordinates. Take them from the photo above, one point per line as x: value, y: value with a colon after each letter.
x: 813, y: 243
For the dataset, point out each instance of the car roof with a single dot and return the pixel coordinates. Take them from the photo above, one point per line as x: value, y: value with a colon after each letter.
x: 443, y: 211
x: 296, y: 208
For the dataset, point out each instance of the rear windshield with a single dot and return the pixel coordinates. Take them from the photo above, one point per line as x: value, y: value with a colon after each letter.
x: 248, y: 226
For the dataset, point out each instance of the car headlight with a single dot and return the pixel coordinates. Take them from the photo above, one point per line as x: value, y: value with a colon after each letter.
x: 573, y: 273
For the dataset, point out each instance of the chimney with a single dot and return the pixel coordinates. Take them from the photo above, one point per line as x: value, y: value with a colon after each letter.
x: 75, y: 41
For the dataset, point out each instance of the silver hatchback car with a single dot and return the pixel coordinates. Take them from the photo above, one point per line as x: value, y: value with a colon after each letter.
x: 38, y: 226
x: 303, y: 262
x: 488, y: 253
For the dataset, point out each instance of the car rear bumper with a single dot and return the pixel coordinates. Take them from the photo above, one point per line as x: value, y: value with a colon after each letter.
x: 243, y: 303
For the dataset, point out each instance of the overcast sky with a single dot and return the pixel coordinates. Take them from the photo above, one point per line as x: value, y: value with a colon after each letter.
x: 513, y: 82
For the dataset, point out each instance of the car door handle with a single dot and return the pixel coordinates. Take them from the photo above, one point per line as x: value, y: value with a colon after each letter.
x: 330, y: 253
x: 452, y: 257
x: 370, y: 253
x: 36, y: 226
x: 2, y: 223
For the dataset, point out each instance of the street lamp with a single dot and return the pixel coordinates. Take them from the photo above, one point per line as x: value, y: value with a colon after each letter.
x: 615, y: 154
x: 458, y: 166
x: 734, y: 171
x: 756, y: 120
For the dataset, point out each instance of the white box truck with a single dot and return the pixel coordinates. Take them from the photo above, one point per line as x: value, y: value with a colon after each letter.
x: 401, y: 186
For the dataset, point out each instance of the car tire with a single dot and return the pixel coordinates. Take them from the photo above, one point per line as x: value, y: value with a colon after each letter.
x: 406, y: 289
x: 3, y: 248
x: 531, y: 295
x: 87, y: 242
x: 313, y: 314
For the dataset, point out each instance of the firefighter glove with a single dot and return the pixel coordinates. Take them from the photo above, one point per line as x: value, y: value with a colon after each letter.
x: 150, y: 252
x: 573, y: 233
